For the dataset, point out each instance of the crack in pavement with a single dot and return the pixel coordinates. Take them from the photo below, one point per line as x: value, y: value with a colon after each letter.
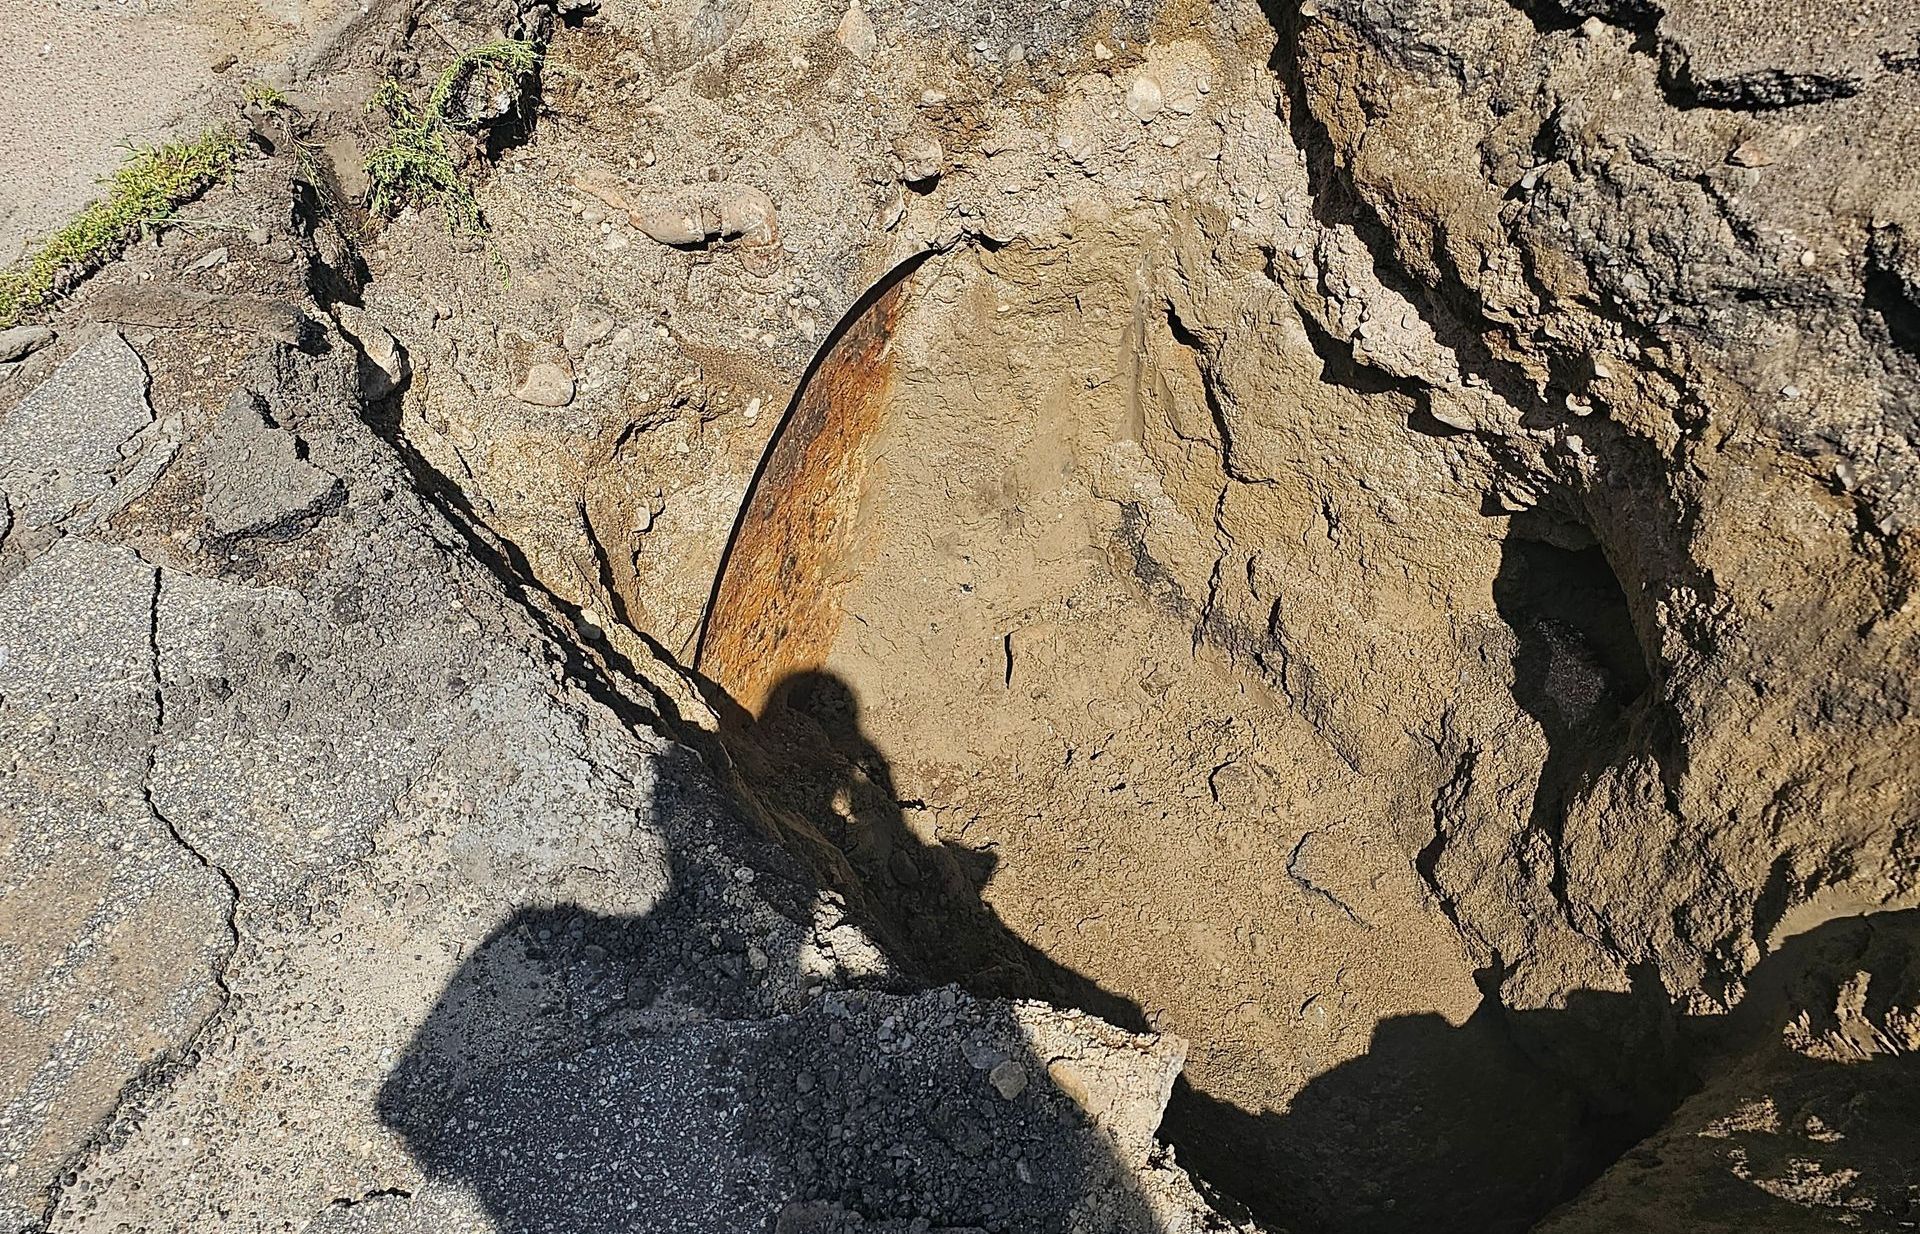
x: 165, y: 1067
x: 173, y: 829
x: 381, y: 1193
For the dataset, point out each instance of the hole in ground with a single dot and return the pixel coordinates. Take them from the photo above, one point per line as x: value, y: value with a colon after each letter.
x: 1484, y: 1125
x: 1578, y: 663
x: 949, y: 686
x: 1578, y: 667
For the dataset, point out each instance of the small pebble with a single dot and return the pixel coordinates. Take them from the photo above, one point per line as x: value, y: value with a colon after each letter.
x: 1145, y: 98
x: 589, y: 324
x: 546, y: 385
x: 856, y: 32
x: 982, y: 1055
x: 920, y: 157
x: 1009, y: 1079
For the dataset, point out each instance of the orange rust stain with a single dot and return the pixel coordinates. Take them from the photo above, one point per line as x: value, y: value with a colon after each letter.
x: 776, y: 609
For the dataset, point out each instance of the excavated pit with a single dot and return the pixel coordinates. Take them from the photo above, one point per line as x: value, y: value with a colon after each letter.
x: 1245, y: 581
x: 1376, y: 542
x: 977, y: 659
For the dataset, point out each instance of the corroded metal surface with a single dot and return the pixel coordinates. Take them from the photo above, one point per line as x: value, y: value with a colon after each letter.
x: 776, y: 607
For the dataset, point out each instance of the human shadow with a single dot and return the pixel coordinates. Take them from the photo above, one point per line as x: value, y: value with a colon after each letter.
x: 1488, y: 1125
x: 702, y: 1066
x: 810, y: 767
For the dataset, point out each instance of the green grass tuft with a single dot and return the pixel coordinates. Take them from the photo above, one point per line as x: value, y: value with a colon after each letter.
x: 415, y: 166
x: 264, y: 96
x: 152, y: 183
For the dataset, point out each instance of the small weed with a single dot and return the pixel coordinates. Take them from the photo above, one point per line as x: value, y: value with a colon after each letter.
x: 415, y: 165
x: 265, y: 97
x: 500, y: 65
x: 152, y: 183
